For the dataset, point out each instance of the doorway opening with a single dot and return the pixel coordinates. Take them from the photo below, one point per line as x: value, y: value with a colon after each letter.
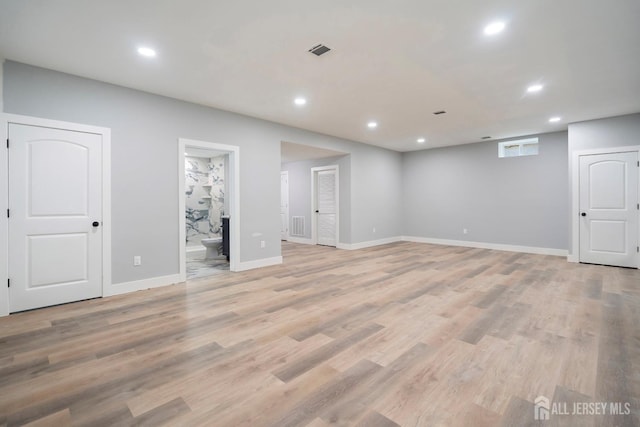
x: 303, y: 165
x: 57, y: 246
x: 606, y: 212
x: 325, y: 222
x: 284, y: 205
x: 209, y: 208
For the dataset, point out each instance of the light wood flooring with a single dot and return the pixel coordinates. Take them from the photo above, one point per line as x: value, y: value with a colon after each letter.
x: 403, y: 334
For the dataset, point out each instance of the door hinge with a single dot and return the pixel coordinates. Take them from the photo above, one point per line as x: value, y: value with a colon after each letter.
x: 638, y: 160
x: 7, y: 142
x: 8, y: 213
x: 8, y: 283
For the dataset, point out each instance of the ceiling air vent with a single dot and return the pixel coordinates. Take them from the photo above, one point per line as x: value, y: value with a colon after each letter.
x: 486, y: 137
x: 437, y: 113
x: 319, y: 49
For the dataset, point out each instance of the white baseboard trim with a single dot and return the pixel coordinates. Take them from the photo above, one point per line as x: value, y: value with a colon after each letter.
x: 368, y: 244
x: 302, y: 240
x: 138, y: 285
x: 259, y: 263
x: 572, y: 258
x: 482, y: 245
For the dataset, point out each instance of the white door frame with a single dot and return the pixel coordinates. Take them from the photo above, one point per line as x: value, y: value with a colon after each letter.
x: 105, y: 133
x: 575, y: 192
x: 286, y: 233
x: 234, y: 205
x: 314, y: 219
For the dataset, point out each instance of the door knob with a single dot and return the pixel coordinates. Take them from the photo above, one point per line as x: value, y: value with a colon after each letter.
x: 583, y: 214
x: 317, y: 211
x: 95, y: 223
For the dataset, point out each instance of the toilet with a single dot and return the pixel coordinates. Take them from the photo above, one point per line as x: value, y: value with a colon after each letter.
x: 213, y: 245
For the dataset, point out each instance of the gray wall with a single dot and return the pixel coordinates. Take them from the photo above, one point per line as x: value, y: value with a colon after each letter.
x: 432, y: 193
x: 605, y: 133
x: 145, y: 130
x: 518, y: 201
x: 376, y: 196
x: 610, y: 132
x: 300, y: 192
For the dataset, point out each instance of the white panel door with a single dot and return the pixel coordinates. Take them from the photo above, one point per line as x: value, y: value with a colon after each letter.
x: 284, y: 205
x: 326, y: 207
x: 609, y: 209
x: 55, y: 233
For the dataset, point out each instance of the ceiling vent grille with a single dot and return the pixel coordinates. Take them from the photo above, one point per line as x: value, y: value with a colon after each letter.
x: 319, y: 50
x: 437, y: 113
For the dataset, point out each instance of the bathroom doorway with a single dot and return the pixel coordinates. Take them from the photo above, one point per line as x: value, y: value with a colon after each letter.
x: 209, y: 207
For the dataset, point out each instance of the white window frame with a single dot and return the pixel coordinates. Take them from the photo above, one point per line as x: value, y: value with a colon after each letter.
x: 520, y: 143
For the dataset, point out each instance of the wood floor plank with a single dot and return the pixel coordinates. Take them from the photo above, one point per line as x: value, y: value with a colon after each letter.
x: 374, y: 419
x: 60, y: 418
x: 329, y: 394
x: 619, y: 353
x: 403, y: 334
x: 288, y: 372
x: 163, y: 414
x: 519, y: 413
x: 376, y: 387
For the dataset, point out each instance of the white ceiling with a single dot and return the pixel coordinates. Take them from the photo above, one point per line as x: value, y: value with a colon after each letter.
x: 394, y: 62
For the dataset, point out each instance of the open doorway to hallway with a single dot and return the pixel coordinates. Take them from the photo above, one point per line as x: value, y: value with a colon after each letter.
x: 314, y: 194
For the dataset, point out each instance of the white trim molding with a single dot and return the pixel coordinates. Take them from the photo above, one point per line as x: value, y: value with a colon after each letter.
x: 482, y: 245
x: 105, y: 133
x: 144, y: 284
x: 259, y: 263
x: 4, y: 221
x: 369, y: 243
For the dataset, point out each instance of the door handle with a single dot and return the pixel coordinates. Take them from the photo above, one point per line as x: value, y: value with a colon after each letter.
x: 95, y: 223
x: 583, y: 214
x: 317, y: 211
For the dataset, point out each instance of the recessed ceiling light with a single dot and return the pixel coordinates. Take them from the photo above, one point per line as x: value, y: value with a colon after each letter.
x: 421, y: 140
x: 147, y: 51
x: 372, y: 125
x: 535, y: 88
x: 300, y: 101
x: 554, y: 119
x: 494, y: 28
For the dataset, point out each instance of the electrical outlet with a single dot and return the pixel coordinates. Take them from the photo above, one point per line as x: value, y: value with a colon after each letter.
x: 137, y: 260
x: 263, y: 244
x: 464, y: 231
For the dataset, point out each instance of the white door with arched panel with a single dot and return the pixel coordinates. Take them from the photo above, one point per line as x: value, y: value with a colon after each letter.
x: 609, y: 209
x: 55, y: 202
x: 284, y: 205
x: 325, y: 204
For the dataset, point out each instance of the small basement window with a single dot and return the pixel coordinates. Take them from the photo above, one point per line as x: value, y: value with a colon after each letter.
x: 518, y: 147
